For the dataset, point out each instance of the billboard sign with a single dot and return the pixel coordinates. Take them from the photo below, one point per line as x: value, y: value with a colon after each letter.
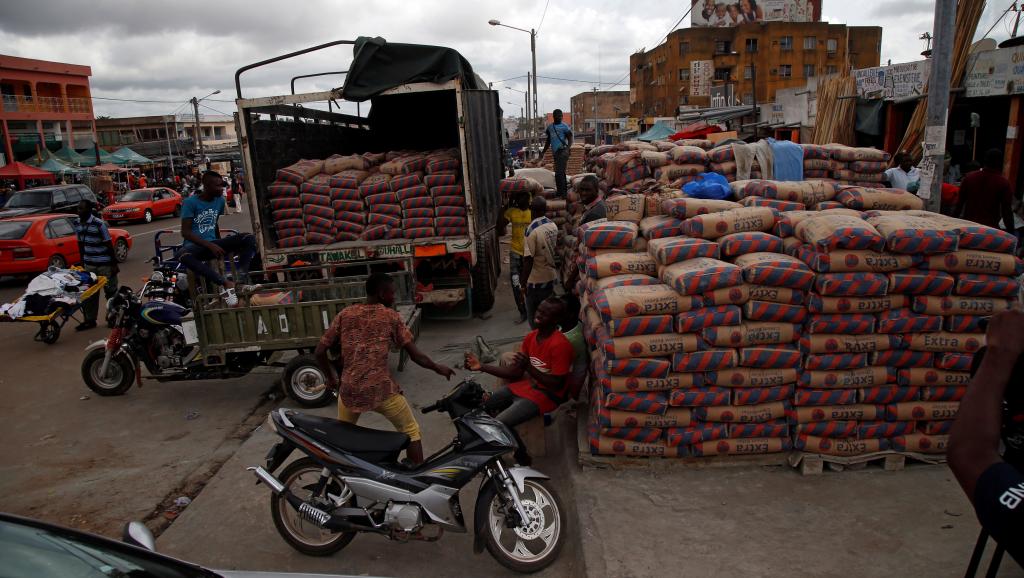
x: 995, y: 72
x: 719, y: 13
x: 701, y: 73
x: 894, y: 82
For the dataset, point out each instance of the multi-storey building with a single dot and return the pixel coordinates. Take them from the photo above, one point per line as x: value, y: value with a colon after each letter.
x: 603, y: 109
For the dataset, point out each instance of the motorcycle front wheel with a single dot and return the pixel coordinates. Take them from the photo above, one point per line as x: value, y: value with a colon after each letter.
x: 118, y: 379
x: 534, y: 545
x: 301, y: 477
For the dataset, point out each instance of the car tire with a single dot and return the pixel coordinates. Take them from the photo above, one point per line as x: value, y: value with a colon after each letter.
x: 121, y: 250
x: 58, y: 261
x: 148, y: 216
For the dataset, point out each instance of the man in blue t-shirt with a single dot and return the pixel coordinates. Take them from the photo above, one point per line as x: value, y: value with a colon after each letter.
x: 559, y: 138
x: 201, y: 233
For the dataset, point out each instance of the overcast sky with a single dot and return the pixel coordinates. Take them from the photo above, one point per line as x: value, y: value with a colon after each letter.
x: 172, y: 50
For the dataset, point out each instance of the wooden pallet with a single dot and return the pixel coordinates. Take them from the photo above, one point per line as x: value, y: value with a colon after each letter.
x: 890, y: 461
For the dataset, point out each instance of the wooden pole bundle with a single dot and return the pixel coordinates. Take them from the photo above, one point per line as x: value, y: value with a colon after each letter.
x: 968, y: 13
x: 835, y: 119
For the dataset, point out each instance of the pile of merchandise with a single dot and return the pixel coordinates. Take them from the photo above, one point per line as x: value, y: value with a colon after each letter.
x: 368, y: 197
x: 859, y: 166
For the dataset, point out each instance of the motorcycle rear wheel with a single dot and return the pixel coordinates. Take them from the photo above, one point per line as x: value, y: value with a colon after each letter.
x: 302, y: 534
x: 119, y: 378
x: 535, y: 545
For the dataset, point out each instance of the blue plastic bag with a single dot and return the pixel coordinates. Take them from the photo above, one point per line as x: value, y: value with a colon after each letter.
x: 708, y: 186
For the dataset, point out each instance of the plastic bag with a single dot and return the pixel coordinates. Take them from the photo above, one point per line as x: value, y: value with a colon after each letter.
x: 708, y: 186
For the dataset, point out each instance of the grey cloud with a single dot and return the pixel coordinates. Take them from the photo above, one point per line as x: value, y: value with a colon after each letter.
x: 901, y: 8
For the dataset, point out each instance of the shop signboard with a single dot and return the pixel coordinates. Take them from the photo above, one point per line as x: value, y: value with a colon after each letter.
x: 995, y: 73
x: 716, y: 13
x: 894, y: 82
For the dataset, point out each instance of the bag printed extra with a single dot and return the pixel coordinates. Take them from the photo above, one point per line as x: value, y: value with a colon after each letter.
x: 937, y: 427
x: 741, y: 446
x: 673, y: 417
x: 715, y: 225
x: 828, y: 232
x: 828, y: 429
x: 751, y: 377
x: 638, y: 367
x: 752, y: 333
x: 838, y: 343
x: 684, y: 208
x: 685, y: 436
x: 839, y: 446
x: 604, y: 445
x: 873, y: 376
x: 677, y: 249
x: 933, y: 377
x: 737, y: 295
x: 955, y: 361
x: 696, y: 276
x: 921, y: 443
x: 781, y: 295
x: 955, y: 305
x: 907, y: 321
x: 855, y: 261
x: 699, y: 396
x: 889, y: 394
x: 921, y: 410
x: 819, y: 304
x: 851, y: 324
x: 776, y: 429
x: 642, y: 325
x: 986, y: 285
x: 856, y: 412
x: 921, y: 282
x: 621, y: 263
x: 762, y: 413
x: 759, y: 395
x: 622, y: 302
x: 851, y: 284
x: 673, y: 381
x: 741, y: 243
x: 978, y: 262
x: 651, y: 345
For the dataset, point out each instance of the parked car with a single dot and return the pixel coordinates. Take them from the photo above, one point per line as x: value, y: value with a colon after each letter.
x: 42, y: 550
x: 48, y: 199
x: 144, y: 205
x: 32, y: 243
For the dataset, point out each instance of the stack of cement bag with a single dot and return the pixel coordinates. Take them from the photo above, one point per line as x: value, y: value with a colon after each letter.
x: 577, y: 159
x: 677, y: 165
x: 859, y: 166
x: 723, y: 161
x: 817, y: 162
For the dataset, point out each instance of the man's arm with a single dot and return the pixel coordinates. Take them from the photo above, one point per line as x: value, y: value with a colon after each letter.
x: 525, y: 270
x: 105, y: 233
x: 974, y: 440
x: 548, y: 380
x: 568, y: 141
x: 324, y: 363
x: 503, y: 218
x: 423, y: 360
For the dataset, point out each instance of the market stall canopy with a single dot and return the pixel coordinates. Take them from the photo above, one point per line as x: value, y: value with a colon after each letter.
x: 70, y: 156
x: 89, y: 156
x: 379, y: 65
x: 57, y: 167
x: 109, y: 168
x: 20, y: 172
x: 659, y: 131
x: 126, y: 156
x: 696, y: 130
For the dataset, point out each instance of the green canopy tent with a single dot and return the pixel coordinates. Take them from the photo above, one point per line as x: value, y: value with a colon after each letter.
x: 659, y: 131
x: 70, y: 156
x: 127, y: 157
x: 89, y: 157
x: 59, y: 168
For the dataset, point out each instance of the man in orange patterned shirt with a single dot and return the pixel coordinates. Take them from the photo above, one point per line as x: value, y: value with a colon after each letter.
x: 362, y: 335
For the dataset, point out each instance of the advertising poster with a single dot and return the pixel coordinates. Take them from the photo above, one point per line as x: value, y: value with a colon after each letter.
x: 718, y: 13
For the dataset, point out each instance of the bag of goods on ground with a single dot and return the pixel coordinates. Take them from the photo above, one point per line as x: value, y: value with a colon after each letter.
x: 718, y: 224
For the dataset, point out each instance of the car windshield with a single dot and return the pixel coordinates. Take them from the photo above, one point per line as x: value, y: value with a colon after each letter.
x: 138, y: 196
x: 29, y: 200
x: 12, y: 230
x: 32, y: 551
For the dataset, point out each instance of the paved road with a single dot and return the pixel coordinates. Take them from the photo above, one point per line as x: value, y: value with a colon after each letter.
x: 93, y: 463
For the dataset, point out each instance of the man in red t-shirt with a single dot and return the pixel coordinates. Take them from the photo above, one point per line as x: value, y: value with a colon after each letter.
x: 986, y: 196
x: 536, y: 374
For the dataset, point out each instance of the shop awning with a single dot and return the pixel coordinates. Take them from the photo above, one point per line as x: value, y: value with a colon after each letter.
x: 126, y: 156
x: 57, y: 167
x: 109, y: 168
x: 20, y: 172
x: 70, y: 156
x: 89, y: 157
x: 659, y: 131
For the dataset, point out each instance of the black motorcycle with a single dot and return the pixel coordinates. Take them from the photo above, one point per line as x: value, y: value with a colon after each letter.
x: 351, y: 482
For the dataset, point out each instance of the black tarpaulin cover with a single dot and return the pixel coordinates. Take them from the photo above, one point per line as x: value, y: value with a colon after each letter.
x: 379, y: 65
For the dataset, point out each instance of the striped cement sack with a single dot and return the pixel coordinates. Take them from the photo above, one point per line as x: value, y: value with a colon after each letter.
x: 845, y: 261
x: 836, y: 231
x: 697, y: 320
x: 898, y: 321
x: 850, y: 324
x: 684, y: 208
x: 839, y: 343
x: 751, y: 333
x: 820, y: 304
x: 921, y: 282
x: 851, y: 284
x: 835, y: 361
x: 972, y: 235
x: 981, y: 262
x: 621, y: 263
x: 610, y: 235
x: 641, y: 325
x: 803, y: 192
x: 737, y: 295
x: 696, y: 276
x: 625, y: 208
x: 783, y: 295
x: 770, y: 357
x: 709, y: 360
x: 682, y: 155
x: 630, y: 301
x: 913, y: 235
x: 751, y: 377
x: 944, y: 342
x: 786, y: 226
x: 981, y: 285
x: 660, y: 227
x: 958, y: 305
x: 714, y: 225
x: 850, y: 154
x: 741, y: 243
x: 863, y: 199
x: 673, y: 250
x: 775, y: 270
x: 772, y: 204
x: 651, y: 345
x: 767, y: 311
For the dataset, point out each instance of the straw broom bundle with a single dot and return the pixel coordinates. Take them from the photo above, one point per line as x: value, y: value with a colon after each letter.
x: 834, y: 121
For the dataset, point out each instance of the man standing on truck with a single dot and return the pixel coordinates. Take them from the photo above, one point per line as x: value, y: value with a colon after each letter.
x: 559, y: 138
x: 518, y: 215
x: 539, y: 258
x: 362, y: 336
x: 200, y: 230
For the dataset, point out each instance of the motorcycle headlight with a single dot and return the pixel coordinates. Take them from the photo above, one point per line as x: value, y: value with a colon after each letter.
x: 494, y: 433
x: 157, y: 277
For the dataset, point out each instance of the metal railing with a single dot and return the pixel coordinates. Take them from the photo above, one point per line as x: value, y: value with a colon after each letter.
x: 21, y: 103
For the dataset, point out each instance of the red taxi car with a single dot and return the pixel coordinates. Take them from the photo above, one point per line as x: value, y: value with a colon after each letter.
x: 32, y: 243
x: 144, y: 205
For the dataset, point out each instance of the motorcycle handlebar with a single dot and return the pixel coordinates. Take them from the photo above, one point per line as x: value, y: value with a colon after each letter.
x: 430, y: 408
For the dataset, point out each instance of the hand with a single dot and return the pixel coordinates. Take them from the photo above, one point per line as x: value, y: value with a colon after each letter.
x: 1004, y: 332
x: 217, y: 250
x: 521, y: 360
x: 444, y: 371
x: 472, y: 362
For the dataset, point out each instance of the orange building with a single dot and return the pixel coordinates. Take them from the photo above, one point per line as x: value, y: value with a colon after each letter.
x: 44, y: 104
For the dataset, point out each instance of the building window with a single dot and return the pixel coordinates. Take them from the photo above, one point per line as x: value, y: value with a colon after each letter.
x: 831, y: 46
x: 808, y: 70
x: 830, y: 69
x: 810, y: 42
x: 748, y: 98
x: 748, y: 72
x: 723, y: 47
x: 786, y: 43
x: 751, y: 44
x: 684, y: 47
x: 723, y: 74
x: 684, y: 74
x: 785, y: 70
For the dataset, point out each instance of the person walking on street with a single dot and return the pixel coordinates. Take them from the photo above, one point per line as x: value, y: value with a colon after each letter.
x: 517, y: 213
x: 539, y: 258
x: 986, y: 197
x: 361, y: 336
x: 97, y: 249
x: 559, y: 138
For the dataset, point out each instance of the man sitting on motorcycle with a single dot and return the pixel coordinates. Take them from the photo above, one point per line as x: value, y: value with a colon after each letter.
x: 536, y: 376
x: 363, y: 335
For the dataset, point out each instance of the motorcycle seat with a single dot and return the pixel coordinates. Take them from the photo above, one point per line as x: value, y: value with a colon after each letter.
x: 370, y: 444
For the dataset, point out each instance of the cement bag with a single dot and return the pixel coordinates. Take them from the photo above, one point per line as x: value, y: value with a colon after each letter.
x: 751, y: 377
x: 838, y: 343
x: 349, y: 179
x: 660, y: 227
x: 921, y: 282
x: 955, y: 361
x: 772, y: 203
x: 849, y: 378
x: 804, y: 192
x: 932, y: 377
x: 922, y: 410
x: 937, y: 427
x: 813, y: 151
x: 741, y: 446
x: 443, y: 180
x: 836, y: 413
x: 301, y: 171
x: 756, y: 396
x: 605, y: 445
x: 828, y: 206
x: 645, y: 435
x: 804, y: 397
x: 739, y: 187
x: 886, y: 429
x: 404, y: 165
x: 673, y: 250
x: 709, y: 360
x: 819, y: 304
x: 697, y: 319
x: 673, y: 417
x: 766, y: 412
x: 828, y: 429
x: 621, y: 263
x: 943, y: 393
x: 888, y: 394
x: 849, y: 154
x: 866, y: 180
x: 684, y: 208
x: 775, y: 270
x: 767, y: 311
x: 817, y: 164
x: 686, y: 436
x: 285, y: 203
x: 817, y: 173
x: 741, y: 243
x: 831, y: 231
x: 638, y: 367
x: 835, y: 361
x: 791, y: 245
x: 944, y: 342
x: 770, y: 357
x: 782, y: 295
x: 685, y: 155
x: 622, y: 302
x: 651, y: 345
x: 625, y: 208
x: 786, y: 226
x: 982, y: 262
x: 721, y: 154
x: 670, y: 173
x: 699, y: 396
x: 610, y: 235
x: 862, y: 199
x: 986, y: 285
x: 956, y: 305
x: 655, y: 159
x: 281, y: 190
x: 839, y: 446
x: 673, y: 381
x: 337, y: 163
x: 520, y: 184
x: 715, y: 225
x: 752, y: 333
x: 921, y: 443
x: 649, y: 402
x: 700, y: 143
x: 978, y: 237
x: 850, y: 324
x: 852, y: 284
x: 696, y: 276
x: 633, y: 280
x: 903, y: 358
x: 914, y: 235
x: 642, y: 325
x: 964, y: 324
x: 907, y: 321
x: 737, y: 295
x: 844, y: 261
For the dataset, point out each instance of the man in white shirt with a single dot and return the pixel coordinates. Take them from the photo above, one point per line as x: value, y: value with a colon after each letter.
x: 904, y: 175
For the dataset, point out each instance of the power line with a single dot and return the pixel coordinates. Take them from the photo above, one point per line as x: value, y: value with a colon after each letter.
x: 542, y: 16
x: 134, y: 100
x: 663, y: 37
x: 214, y: 109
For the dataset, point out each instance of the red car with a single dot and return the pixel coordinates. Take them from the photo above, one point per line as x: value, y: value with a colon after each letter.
x: 32, y: 243
x: 144, y: 205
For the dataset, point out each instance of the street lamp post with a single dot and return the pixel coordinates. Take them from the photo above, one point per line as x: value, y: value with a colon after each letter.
x: 199, y: 132
x: 526, y: 99
x: 533, y: 53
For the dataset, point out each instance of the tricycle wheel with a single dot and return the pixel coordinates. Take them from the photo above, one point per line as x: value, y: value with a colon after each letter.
x: 49, y: 332
x: 119, y: 377
x: 305, y: 382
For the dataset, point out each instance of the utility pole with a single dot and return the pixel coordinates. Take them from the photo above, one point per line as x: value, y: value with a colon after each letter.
x: 536, y: 81
x: 934, y: 147
x: 167, y: 137
x: 198, y: 131
x: 596, y: 142
x: 529, y: 114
